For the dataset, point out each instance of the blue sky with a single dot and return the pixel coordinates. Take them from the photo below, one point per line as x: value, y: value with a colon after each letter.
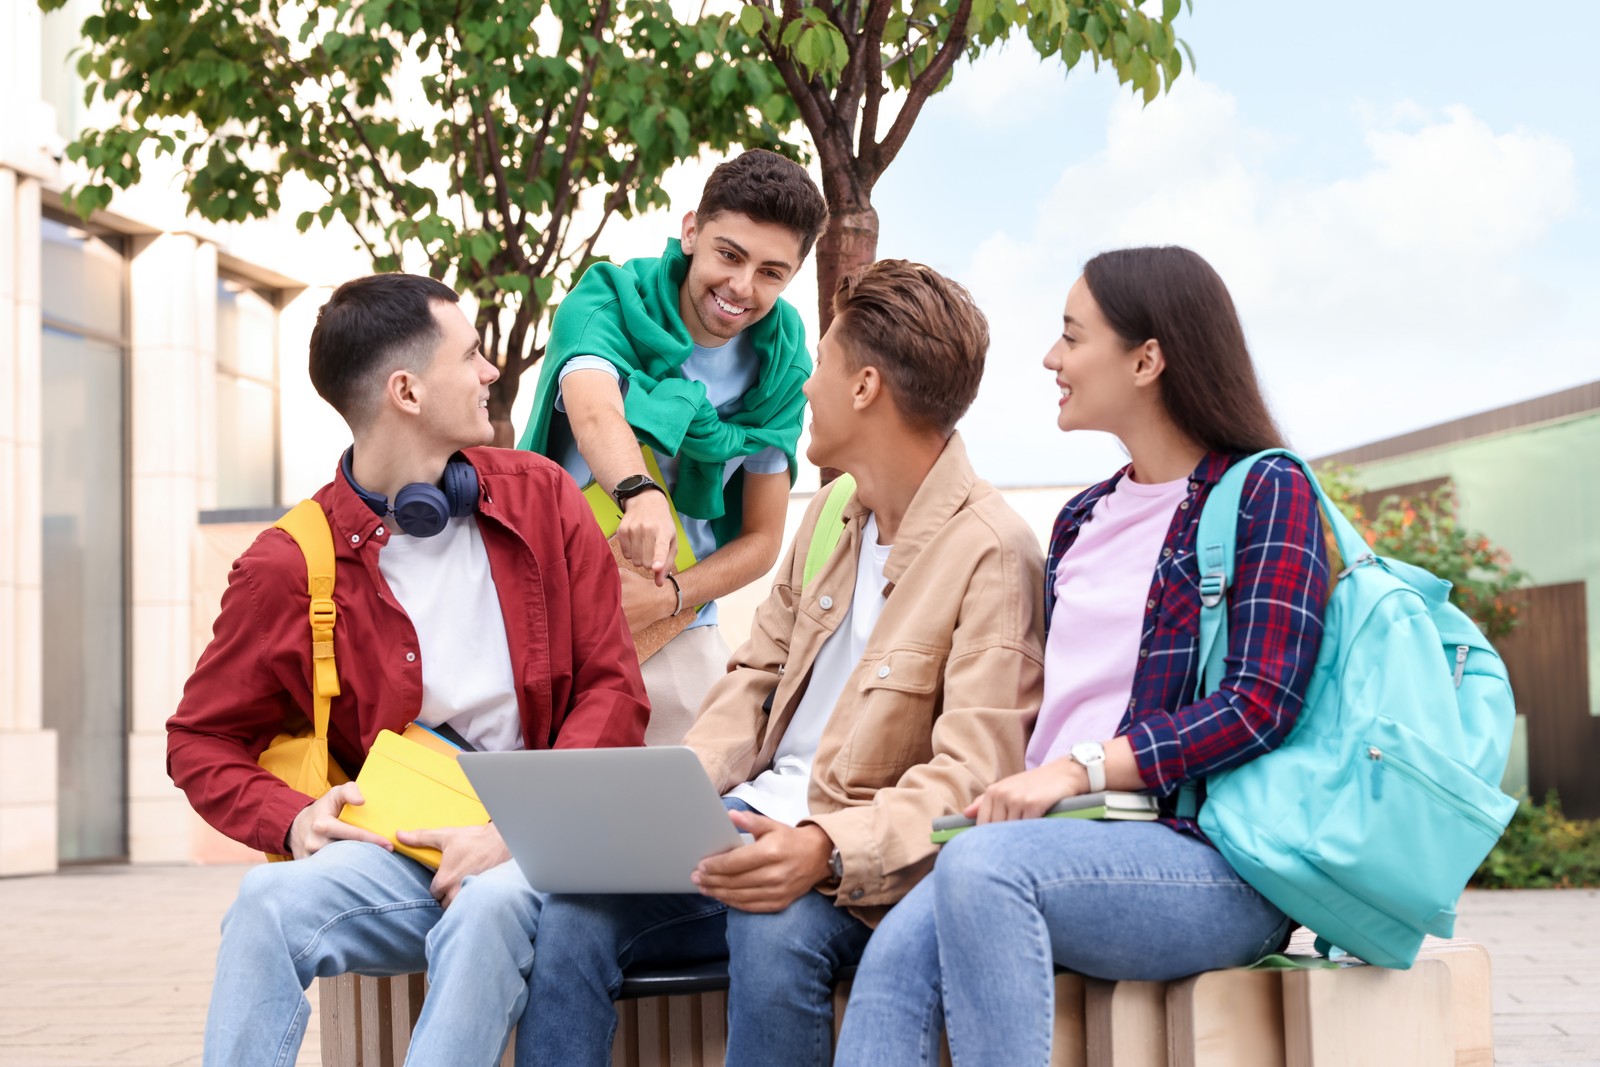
x: 1403, y: 203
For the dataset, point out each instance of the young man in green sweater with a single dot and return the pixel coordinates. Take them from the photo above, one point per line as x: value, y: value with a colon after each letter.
x: 693, y: 356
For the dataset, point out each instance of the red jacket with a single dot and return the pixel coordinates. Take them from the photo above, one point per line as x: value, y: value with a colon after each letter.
x: 578, y: 683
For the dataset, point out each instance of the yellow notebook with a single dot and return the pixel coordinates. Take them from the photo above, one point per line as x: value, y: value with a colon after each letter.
x: 413, y: 785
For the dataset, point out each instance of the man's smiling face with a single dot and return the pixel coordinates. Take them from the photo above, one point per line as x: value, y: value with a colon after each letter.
x: 737, y: 269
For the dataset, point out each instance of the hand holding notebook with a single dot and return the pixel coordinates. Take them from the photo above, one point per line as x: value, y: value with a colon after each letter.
x: 1110, y: 805
x: 412, y: 781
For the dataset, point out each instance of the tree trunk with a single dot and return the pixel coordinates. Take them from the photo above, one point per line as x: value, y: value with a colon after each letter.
x: 502, y: 394
x: 850, y: 241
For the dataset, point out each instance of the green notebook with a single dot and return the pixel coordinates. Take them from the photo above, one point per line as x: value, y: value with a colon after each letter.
x: 1133, y: 807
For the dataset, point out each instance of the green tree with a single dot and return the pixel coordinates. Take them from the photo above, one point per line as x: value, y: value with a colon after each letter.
x: 1426, y: 530
x: 495, y: 137
x: 843, y: 61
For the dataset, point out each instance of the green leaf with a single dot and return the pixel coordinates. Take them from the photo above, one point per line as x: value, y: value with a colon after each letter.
x: 1169, y: 9
x: 680, y: 125
x: 1140, y: 71
x: 751, y: 19
x: 543, y: 289
x: 806, y: 48
x: 512, y: 283
x: 1096, y: 29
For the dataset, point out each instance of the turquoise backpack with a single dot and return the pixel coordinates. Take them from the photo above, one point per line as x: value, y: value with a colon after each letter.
x: 1367, y: 822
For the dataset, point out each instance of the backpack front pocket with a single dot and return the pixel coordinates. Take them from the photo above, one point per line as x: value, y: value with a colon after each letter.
x: 1408, y: 828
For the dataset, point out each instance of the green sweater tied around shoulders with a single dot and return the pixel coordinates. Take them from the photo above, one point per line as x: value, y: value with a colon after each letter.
x: 628, y: 316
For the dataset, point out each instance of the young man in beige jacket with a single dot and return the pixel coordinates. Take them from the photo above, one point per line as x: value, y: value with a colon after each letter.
x: 891, y: 689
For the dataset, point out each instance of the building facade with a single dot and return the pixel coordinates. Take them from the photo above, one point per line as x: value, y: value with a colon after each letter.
x: 147, y: 362
x: 1525, y: 477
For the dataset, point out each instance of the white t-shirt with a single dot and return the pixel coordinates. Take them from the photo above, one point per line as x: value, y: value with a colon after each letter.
x: 445, y: 586
x: 728, y: 372
x: 780, y: 792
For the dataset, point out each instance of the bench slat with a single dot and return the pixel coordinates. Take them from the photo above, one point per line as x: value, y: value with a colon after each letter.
x: 1368, y: 1017
x: 1225, y: 1018
x: 1126, y: 1023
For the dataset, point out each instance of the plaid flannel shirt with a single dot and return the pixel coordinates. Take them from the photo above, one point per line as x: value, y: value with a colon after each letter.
x: 1275, y: 607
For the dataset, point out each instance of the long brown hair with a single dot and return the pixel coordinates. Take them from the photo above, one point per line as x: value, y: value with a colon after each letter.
x: 1209, y: 387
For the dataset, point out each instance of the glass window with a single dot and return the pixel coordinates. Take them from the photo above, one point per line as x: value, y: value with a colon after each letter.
x: 247, y: 396
x: 83, y: 384
x: 85, y: 279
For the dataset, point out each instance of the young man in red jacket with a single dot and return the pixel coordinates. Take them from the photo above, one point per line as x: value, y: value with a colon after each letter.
x: 475, y: 592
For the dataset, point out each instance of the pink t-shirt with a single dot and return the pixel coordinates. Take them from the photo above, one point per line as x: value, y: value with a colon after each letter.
x: 1101, y: 586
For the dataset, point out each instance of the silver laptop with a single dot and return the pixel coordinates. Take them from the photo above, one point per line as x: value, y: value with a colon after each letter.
x: 603, y: 820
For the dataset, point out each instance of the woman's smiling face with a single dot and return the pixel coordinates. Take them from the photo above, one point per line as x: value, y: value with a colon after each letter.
x: 1093, y: 367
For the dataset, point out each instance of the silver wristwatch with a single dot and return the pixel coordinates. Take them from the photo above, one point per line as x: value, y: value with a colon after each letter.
x: 1091, y: 755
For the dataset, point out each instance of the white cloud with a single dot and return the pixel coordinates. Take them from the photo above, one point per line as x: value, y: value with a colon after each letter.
x: 1395, y: 295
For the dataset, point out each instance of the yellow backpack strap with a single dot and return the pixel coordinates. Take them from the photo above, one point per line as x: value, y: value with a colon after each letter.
x: 308, y: 525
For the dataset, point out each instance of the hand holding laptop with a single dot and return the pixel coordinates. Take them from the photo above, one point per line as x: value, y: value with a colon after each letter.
x: 782, y: 865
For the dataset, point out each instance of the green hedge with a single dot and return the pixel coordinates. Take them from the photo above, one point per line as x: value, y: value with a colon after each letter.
x: 1542, y: 849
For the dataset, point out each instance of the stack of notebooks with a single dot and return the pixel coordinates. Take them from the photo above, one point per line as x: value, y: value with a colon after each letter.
x: 1134, y: 807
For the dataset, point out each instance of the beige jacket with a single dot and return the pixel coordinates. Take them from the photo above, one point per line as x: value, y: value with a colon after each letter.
x: 938, y: 708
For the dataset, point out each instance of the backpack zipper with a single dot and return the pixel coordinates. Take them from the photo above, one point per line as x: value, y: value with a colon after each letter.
x: 1411, y: 774
x: 1461, y: 663
x: 1360, y: 561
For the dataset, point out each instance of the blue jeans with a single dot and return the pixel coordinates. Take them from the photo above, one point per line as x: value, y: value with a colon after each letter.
x: 355, y: 907
x: 780, y: 971
x: 976, y: 943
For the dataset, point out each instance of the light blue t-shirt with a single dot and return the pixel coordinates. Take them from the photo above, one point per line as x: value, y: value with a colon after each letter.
x: 728, y: 372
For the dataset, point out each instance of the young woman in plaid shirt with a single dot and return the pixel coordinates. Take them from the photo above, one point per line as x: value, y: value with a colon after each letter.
x: 1152, y: 351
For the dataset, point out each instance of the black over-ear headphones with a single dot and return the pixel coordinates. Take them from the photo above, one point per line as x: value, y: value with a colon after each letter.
x: 420, y: 509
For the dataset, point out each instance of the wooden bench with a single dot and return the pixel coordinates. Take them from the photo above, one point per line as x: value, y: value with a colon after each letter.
x: 1436, y: 1014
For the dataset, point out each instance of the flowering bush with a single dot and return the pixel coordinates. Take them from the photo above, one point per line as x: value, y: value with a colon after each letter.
x: 1424, y: 530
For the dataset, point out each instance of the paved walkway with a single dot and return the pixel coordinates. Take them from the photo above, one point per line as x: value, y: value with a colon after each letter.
x: 112, y: 966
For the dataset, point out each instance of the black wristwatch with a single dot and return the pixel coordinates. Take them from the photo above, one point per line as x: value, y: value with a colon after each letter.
x: 633, y: 485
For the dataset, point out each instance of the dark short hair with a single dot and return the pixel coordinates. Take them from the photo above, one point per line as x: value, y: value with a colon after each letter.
x: 369, y: 328
x: 1171, y: 295
x: 768, y: 188
x: 923, y: 333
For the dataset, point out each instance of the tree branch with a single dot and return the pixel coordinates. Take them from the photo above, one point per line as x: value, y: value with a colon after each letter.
x: 813, y: 115
x: 614, y: 200
x: 535, y: 154
x: 502, y: 194
x: 872, y: 52
x: 921, y: 88
x: 580, y: 105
